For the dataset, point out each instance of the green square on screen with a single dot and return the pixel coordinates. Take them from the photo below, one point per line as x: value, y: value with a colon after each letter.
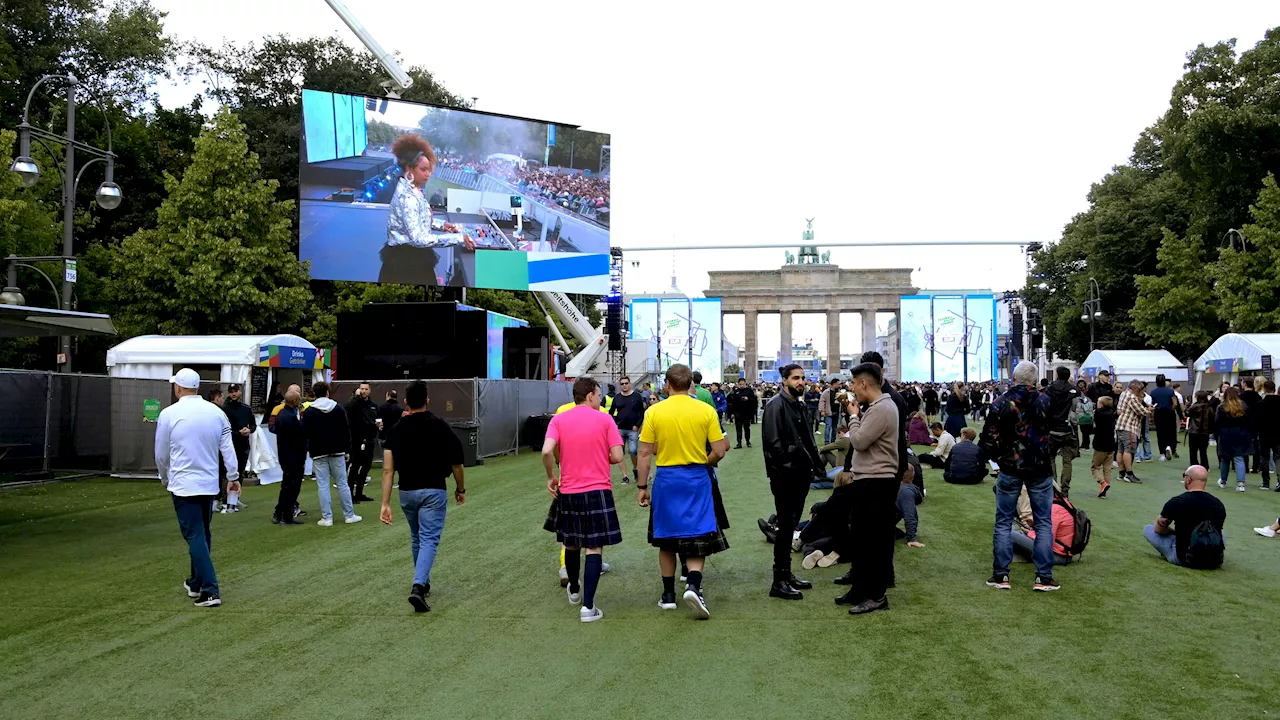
x: 502, y: 269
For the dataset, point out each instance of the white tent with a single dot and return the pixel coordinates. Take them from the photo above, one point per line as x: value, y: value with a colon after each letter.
x: 156, y: 357
x: 1126, y: 365
x: 1234, y: 354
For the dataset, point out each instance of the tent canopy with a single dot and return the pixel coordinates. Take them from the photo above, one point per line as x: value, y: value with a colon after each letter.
x: 197, y: 349
x: 1248, y: 349
x: 23, y: 321
x: 1136, y: 364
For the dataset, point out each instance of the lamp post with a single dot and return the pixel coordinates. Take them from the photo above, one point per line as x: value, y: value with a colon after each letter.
x: 108, y: 195
x: 1092, y: 308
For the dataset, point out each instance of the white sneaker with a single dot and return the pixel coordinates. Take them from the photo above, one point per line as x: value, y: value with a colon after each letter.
x: 1163, y: 458
x: 1115, y: 464
x: 325, y: 522
x: 829, y: 559
x: 564, y: 576
x: 604, y: 568
x: 795, y: 542
x: 1222, y: 484
x: 352, y: 520
x: 590, y: 614
x: 1265, y: 532
x: 1240, y: 487
x: 574, y: 597
x: 811, y: 560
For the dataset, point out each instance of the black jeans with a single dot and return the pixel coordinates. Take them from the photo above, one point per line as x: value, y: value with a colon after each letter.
x: 789, y: 494
x: 1199, y: 445
x: 290, y: 486
x: 1166, y: 422
x: 358, y: 468
x: 871, y: 521
x: 1086, y: 434
x: 742, y: 423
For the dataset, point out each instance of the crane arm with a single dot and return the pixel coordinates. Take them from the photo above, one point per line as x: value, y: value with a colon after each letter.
x: 400, y: 80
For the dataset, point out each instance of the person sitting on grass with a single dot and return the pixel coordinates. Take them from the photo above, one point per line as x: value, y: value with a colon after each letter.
x: 918, y: 431
x: 1064, y: 529
x: 833, y: 454
x: 909, y: 496
x: 1188, y: 531
x: 965, y: 464
x: 1269, y: 531
x: 937, y: 458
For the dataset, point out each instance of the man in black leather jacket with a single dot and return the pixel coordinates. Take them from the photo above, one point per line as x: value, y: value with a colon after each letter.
x: 791, y: 460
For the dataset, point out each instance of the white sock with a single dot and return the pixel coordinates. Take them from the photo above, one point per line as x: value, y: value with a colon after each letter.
x: 233, y: 497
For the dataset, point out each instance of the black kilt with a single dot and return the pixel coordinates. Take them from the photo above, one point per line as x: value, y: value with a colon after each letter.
x: 700, y: 546
x: 584, y: 520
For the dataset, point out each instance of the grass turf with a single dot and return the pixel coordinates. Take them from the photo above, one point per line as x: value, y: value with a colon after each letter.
x: 94, y: 623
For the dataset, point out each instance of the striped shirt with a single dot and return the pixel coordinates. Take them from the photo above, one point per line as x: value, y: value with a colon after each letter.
x: 1131, y: 412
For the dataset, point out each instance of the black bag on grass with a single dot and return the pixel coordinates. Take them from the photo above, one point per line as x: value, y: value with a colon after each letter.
x: 1205, y: 548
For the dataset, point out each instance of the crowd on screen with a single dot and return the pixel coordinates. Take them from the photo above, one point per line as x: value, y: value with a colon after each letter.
x: 572, y: 192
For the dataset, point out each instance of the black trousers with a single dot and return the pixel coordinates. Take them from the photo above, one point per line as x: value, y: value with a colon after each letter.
x: 1166, y: 429
x: 290, y: 486
x: 1086, y: 434
x: 742, y: 423
x: 1199, y: 445
x: 871, y: 521
x: 358, y: 468
x: 931, y: 460
x: 789, y: 494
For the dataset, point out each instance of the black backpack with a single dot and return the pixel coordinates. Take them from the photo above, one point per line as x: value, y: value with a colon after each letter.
x: 1205, y: 547
x: 1084, y: 526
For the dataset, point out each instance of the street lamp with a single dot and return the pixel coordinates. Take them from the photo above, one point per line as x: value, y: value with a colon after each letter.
x: 1092, y: 309
x: 108, y: 196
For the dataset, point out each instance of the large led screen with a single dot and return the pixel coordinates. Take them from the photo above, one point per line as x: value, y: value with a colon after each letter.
x: 980, y: 347
x: 673, y: 332
x: 508, y: 203
x: 948, y: 338
x: 707, y: 338
x: 915, y: 330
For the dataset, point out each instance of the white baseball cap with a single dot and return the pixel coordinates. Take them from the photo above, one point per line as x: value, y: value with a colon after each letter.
x: 186, y: 378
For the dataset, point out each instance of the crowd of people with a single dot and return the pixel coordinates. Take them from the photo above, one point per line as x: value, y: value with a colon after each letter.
x: 854, y: 437
x: 570, y: 190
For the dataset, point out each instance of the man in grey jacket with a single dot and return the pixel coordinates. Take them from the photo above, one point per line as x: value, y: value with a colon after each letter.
x: 873, y: 434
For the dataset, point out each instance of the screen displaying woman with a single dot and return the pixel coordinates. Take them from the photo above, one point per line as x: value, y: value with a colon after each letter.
x: 410, y: 255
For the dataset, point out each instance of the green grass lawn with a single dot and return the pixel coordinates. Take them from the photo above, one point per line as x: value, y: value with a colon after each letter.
x: 94, y: 623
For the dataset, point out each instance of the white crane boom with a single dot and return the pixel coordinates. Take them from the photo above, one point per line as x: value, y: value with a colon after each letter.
x: 594, y: 342
x: 400, y: 80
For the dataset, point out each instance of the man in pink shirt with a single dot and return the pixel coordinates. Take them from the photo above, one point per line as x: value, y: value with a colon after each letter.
x: 586, y: 442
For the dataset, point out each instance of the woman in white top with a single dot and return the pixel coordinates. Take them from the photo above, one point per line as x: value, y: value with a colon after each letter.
x: 409, y: 255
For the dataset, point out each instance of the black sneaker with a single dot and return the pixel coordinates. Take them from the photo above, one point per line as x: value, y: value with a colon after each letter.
x: 1045, y: 585
x: 667, y: 601
x: 189, y: 586
x: 1133, y: 479
x: 870, y: 606
x: 299, y: 512
x: 208, y: 599
x: 738, y: 446
x: 1265, y: 486
x: 626, y: 480
x: 697, y: 604
x: 417, y: 598
x: 999, y: 582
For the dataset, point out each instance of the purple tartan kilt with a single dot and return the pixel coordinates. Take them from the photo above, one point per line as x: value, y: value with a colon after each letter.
x: 584, y: 520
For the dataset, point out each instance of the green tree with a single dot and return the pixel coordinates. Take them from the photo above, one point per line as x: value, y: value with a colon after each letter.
x: 218, y: 260
x: 1172, y: 309
x: 1248, y: 282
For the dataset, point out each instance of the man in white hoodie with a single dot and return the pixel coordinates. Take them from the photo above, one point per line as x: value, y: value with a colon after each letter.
x: 328, y: 440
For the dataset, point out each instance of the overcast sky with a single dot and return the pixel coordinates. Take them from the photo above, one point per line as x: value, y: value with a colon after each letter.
x: 733, y: 122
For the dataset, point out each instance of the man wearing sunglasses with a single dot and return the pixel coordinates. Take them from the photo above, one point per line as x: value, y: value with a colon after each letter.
x: 628, y: 413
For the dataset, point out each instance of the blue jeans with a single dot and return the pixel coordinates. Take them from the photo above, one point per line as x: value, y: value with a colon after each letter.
x: 194, y: 514
x: 1144, y: 451
x: 424, y: 510
x: 1224, y: 467
x: 1041, y: 494
x: 333, y: 468
x: 1166, y: 545
x: 829, y: 431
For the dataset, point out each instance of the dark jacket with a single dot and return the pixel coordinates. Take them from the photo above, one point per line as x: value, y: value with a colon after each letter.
x: 1266, y: 417
x: 291, y: 439
x: 240, y: 416
x: 965, y: 465
x: 1100, y: 390
x: 743, y: 402
x: 1104, y: 429
x: 1235, y: 434
x: 389, y: 412
x: 1061, y: 393
x: 326, y: 428
x: 362, y: 414
x: 1200, y: 417
x: 789, y: 450
x: 1016, y: 435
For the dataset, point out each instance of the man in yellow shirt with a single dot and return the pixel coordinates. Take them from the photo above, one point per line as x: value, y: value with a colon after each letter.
x: 676, y: 434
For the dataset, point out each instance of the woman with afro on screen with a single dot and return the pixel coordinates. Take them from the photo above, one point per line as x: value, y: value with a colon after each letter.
x: 410, y: 253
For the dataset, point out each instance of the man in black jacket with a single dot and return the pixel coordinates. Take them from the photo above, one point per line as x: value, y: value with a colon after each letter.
x: 362, y: 413
x: 790, y: 460
x: 242, y: 424
x: 1102, y: 388
x: 1062, y: 437
x: 743, y: 405
x: 389, y: 413
x: 291, y: 445
x: 328, y: 439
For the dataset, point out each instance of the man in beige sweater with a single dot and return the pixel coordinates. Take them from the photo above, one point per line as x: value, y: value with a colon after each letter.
x: 873, y: 435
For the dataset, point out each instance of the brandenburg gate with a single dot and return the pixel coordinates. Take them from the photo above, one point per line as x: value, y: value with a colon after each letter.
x: 808, y: 284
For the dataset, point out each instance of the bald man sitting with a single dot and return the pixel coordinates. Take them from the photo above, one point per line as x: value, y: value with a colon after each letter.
x: 1189, y: 529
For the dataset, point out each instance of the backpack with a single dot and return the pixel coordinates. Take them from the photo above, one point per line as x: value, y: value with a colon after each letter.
x: 1084, y: 526
x: 1205, y: 548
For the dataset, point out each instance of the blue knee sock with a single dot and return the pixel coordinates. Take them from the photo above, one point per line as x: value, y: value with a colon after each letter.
x: 591, y: 578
